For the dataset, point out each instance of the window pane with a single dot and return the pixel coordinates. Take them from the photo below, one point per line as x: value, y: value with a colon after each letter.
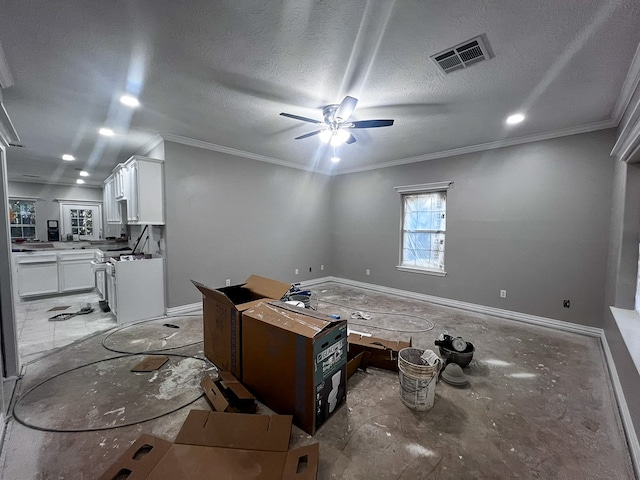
x: 16, y: 232
x: 424, y: 215
x: 29, y: 232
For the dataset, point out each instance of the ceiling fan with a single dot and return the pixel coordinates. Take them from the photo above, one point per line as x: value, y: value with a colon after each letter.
x: 336, y: 125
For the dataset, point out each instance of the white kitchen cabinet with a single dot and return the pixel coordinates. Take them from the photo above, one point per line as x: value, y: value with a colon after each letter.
x: 136, y: 289
x: 145, y: 201
x: 113, y: 214
x: 75, y: 270
x: 120, y: 182
x: 41, y: 273
x: 37, y: 274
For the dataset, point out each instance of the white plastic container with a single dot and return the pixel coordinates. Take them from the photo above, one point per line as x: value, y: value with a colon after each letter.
x: 417, y: 381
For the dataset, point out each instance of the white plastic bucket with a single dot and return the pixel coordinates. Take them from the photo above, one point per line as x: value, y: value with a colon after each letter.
x: 417, y: 381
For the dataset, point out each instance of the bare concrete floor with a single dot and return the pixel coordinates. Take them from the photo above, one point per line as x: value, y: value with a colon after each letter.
x: 539, y: 403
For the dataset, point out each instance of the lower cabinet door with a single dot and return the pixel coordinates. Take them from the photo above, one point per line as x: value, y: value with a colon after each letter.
x: 76, y: 276
x: 37, y: 279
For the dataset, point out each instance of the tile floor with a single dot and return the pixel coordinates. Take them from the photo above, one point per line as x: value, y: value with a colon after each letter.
x: 38, y: 336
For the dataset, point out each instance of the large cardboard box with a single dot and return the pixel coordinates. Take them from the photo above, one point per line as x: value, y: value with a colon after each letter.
x: 219, y: 445
x: 294, y: 361
x: 382, y: 353
x: 222, y: 318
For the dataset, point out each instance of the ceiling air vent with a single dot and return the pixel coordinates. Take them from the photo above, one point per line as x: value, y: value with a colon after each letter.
x: 463, y: 55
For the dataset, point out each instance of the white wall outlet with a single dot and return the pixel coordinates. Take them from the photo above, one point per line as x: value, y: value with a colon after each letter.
x: 228, y: 282
x: 368, y: 272
x: 503, y: 294
x: 296, y: 271
x: 321, y: 267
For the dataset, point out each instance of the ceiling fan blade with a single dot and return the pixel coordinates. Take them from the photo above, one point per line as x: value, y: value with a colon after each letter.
x: 307, y: 135
x: 350, y: 140
x: 304, y: 119
x: 345, y: 109
x: 371, y: 123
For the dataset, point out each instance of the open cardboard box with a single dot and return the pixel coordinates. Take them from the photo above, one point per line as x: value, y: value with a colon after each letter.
x: 383, y: 353
x: 222, y: 317
x: 219, y: 445
x: 297, y: 361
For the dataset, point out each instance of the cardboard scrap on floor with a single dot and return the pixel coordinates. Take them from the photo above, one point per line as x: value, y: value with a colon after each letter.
x: 220, y: 445
x: 62, y: 307
x: 149, y: 364
x: 227, y: 394
x: 383, y: 353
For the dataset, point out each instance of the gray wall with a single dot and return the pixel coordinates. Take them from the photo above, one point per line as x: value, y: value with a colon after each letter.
x: 47, y: 208
x: 230, y: 217
x: 621, y: 276
x: 532, y: 219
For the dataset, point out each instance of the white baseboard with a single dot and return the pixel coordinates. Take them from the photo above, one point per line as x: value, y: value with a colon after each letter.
x: 184, y: 309
x: 625, y: 415
x: 496, y: 312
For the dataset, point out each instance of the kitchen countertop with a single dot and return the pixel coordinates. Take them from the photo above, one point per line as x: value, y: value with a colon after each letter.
x: 105, y: 245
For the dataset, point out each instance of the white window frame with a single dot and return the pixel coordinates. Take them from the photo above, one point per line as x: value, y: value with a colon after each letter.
x: 416, y: 190
x: 21, y: 225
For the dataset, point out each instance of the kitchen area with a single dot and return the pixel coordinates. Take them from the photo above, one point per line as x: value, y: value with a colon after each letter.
x: 71, y: 286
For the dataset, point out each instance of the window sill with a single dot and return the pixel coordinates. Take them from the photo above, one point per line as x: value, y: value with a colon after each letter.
x: 629, y: 324
x: 423, y: 271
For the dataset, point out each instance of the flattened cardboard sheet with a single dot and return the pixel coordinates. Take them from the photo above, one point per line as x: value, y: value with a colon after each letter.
x: 150, y: 363
x: 220, y: 445
x: 236, y: 430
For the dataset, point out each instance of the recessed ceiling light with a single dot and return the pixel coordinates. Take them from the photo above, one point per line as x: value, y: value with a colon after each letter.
x: 515, y: 119
x: 84, y: 173
x: 129, y: 101
x: 335, y: 159
x: 107, y: 132
x: 68, y: 158
x: 80, y: 181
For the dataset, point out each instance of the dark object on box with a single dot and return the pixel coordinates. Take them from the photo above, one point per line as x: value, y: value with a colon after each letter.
x: 384, y: 353
x: 449, y: 354
x: 222, y: 318
x: 227, y: 394
x: 297, y: 361
x: 219, y: 445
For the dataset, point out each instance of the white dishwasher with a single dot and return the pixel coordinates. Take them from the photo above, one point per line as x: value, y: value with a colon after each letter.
x: 135, y: 288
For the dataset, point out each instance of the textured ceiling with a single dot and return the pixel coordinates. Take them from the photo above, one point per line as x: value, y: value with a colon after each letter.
x: 221, y: 72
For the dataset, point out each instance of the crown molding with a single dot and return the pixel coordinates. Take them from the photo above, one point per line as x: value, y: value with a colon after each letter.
x: 150, y: 145
x: 628, y: 89
x: 591, y: 127
x: 239, y: 153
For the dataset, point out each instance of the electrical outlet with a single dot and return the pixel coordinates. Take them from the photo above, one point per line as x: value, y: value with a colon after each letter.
x: 296, y: 271
x: 566, y: 303
x: 321, y: 267
x: 228, y: 282
x: 503, y: 294
x: 368, y: 272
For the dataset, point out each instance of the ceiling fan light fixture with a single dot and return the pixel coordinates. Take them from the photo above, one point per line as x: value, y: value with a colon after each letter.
x: 129, y: 101
x: 335, y: 159
x: 67, y: 157
x: 325, y: 135
x: 339, y: 137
